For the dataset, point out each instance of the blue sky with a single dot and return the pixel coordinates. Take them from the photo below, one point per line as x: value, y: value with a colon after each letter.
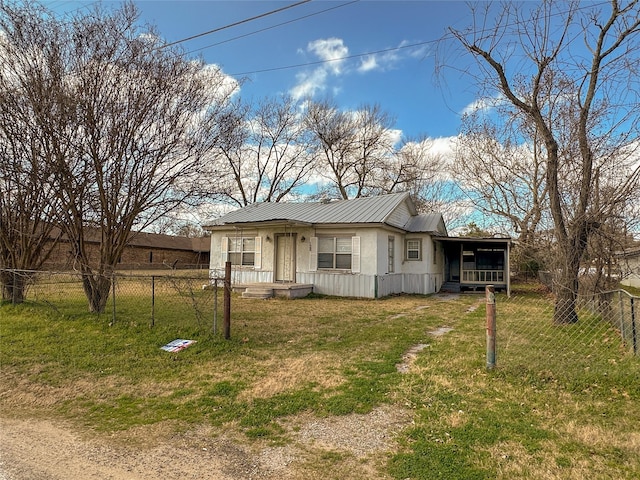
x: 400, y: 80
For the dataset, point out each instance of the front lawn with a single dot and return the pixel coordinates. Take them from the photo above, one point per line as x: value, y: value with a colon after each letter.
x: 325, y: 358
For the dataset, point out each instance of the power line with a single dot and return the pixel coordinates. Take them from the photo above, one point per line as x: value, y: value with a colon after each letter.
x: 273, y: 26
x: 347, y: 57
x: 234, y: 24
x: 319, y: 62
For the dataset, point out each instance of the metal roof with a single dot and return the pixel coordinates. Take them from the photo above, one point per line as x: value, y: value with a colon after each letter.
x: 426, y: 223
x: 358, y: 210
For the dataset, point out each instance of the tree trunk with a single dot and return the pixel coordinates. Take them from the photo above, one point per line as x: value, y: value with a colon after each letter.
x: 14, y: 286
x: 96, y: 287
x: 565, y: 307
x: 566, y: 285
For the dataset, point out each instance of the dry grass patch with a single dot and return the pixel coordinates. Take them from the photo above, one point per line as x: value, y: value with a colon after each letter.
x: 598, y: 436
x: 290, y: 373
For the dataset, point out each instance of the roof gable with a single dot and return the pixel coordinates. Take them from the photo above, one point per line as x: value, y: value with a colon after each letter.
x: 393, y: 209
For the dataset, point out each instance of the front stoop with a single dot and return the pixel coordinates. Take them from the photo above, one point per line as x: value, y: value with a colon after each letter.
x: 269, y: 290
x: 258, y: 292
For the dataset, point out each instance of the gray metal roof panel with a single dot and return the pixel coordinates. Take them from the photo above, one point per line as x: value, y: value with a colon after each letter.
x: 427, y: 222
x: 358, y: 210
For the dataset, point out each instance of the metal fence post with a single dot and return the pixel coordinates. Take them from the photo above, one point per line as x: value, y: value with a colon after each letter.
x: 153, y: 300
x: 491, y: 326
x: 215, y: 306
x: 227, y: 300
x: 621, y: 306
x: 633, y: 327
x: 113, y: 297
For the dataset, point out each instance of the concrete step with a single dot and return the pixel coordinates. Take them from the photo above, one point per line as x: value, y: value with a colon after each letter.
x: 257, y: 292
x: 450, y: 287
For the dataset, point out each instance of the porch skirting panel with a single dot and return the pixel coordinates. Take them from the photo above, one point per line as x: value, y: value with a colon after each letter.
x: 415, y: 283
x: 348, y: 285
x: 342, y: 285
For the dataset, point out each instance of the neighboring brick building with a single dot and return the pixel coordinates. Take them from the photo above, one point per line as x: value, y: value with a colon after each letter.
x: 145, y: 251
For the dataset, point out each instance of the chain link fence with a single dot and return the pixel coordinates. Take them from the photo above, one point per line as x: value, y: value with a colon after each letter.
x: 527, y: 336
x: 529, y: 341
x: 188, y: 297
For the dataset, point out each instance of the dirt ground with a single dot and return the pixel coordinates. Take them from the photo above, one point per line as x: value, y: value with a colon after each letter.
x: 350, y: 446
x: 42, y: 449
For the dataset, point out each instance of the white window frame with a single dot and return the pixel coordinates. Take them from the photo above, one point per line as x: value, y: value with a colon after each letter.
x: 314, y: 253
x: 409, y: 242
x: 228, y: 245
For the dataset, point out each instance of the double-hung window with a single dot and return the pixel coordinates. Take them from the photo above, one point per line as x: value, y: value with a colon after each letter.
x: 413, y: 249
x: 242, y: 251
x: 334, y: 253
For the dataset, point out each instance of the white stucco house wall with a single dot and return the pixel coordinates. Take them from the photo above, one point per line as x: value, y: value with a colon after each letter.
x: 366, y: 247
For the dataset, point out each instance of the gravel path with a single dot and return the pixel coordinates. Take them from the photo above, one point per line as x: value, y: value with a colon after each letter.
x: 43, y: 450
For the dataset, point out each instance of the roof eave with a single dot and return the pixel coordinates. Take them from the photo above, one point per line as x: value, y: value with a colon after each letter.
x: 261, y: 223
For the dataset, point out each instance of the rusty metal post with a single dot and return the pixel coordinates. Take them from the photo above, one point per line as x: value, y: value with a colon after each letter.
x: 634, y: 335
x: 113, y: 297
x: 153, y: 300
x: 227, y: 300
x: 215, y: 306
x: 491, y: 326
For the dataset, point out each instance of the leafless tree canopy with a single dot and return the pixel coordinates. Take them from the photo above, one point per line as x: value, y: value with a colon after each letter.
x: 121, y: 127
x: 105, y: 132
x: 265, y: 152
x: 570, y: 72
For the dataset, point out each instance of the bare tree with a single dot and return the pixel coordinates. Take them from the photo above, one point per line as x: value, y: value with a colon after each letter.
x: 417, y: 168
x: 357, y: 149
x: 504, y: 175
x: 265, y: 152
x: 334, y: 132
x: 571, y: 70
x: 501, y: 166
x: 141, y: 123
x: 373, y: 148
x: 30, y: 141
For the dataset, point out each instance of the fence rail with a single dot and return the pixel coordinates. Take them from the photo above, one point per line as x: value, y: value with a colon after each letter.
x: 153, y: 297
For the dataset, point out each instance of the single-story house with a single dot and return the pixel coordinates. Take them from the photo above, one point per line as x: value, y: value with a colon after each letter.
x: 365, y: 247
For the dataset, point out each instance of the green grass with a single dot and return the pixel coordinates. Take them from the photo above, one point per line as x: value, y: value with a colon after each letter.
x: 551, y: 413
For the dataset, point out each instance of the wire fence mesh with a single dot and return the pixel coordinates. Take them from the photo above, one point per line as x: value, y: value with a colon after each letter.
x: 188, y: 297
x: 528, y: 339
x: 531, y: 342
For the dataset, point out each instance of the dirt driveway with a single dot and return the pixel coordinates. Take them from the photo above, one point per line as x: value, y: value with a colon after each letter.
x: 44, y: 450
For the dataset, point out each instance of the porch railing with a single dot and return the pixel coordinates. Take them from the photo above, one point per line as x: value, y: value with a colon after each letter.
x: 483, y: 276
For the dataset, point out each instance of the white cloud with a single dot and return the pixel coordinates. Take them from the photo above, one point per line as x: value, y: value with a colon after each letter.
x: 482, y: 105
x: 368, y: 63
x: 333, y: 52
x: 445, y: 146
x: 309, y: 83
x: 330, y: 50
x: 221, y: 86
x: 388, y: 60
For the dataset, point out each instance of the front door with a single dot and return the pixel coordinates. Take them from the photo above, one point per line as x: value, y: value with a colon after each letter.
x: 285, y: 258
x: 452, y: 263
